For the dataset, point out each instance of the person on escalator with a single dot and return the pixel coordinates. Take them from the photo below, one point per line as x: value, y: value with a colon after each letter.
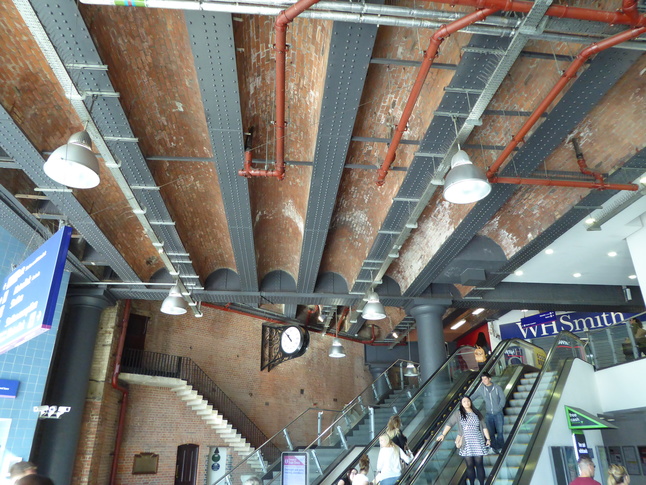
x: 474, y: 437
x: 361, y: 478
x: 495, y: 401
x: 389, y: 461
x: 394, y: 430
x: 586, y: 472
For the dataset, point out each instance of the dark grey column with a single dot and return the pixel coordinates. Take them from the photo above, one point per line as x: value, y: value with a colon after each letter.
x: 380, y: 387
x: 430, y: 337
x: 55, y: 450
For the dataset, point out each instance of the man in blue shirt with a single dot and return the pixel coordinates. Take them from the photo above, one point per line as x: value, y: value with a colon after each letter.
x: 494, y: 402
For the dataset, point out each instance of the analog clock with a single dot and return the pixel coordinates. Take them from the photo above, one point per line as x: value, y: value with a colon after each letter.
x: 292, y: 340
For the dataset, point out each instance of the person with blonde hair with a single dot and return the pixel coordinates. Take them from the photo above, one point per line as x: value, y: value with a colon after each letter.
x: 617, y: 475
x: 394, y: 431
x: 389, y: 461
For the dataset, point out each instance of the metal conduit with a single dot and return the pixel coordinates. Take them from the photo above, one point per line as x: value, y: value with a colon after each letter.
x: 370, y: 14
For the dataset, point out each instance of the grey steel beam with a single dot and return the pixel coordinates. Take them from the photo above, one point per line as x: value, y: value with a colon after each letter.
x: 16, y: 144
x: 27, y: 229
x: 61, y: 34
x: 348, y: 61
x: 592, y: 84
x: 484, y: 65
x: 211, y: 36
x: 507, y: 296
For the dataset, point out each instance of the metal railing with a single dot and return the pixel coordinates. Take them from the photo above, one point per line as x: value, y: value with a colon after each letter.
x: 615, y: 345
x: 163, y: 365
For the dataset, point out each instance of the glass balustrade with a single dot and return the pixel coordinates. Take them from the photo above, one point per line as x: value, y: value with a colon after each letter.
x: 320, y: 428
x: 439, y: 462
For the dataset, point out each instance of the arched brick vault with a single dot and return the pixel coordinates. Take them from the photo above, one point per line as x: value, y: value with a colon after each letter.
x: 151, y: 64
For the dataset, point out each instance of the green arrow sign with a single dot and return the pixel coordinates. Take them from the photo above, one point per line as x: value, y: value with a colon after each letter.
x: 579, y: 419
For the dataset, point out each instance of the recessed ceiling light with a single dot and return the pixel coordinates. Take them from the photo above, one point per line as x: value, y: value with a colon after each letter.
x: 577, y: 275
x: 459, y: 324
x: 549, y: 251
x: 633, y: 276
x: 590, y: 220
x: 518, y: 272
x: 478, y: 311
x: 612, y: 254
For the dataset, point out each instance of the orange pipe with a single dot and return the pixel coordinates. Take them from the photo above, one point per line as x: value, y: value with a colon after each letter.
x: 563, y: 183
x: 429, y: 56
x: 627, y: 16
x: 284, y: 18
x: 569, y: 74
x: 124, y: 392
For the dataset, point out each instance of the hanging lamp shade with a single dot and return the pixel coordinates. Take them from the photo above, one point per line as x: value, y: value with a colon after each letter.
x: 74, y: 164
x: 175, y: 291
x: 465, y: 183
x: 337, y: 351
x: 373, y: 309
x: 411, y: 370
x: 173, y: 305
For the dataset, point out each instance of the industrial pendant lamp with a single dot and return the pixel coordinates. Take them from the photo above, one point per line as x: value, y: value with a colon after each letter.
x: 337, y: 351
x: 174, y: 304
x: 373, y: 309
x: 74, y: 164
x: 465, y: 183
x: 411, y: 370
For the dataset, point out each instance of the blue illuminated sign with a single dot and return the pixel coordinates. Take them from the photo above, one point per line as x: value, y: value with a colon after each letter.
x: 538, y: 319
x: 28, y: 295
x: 8, y: 388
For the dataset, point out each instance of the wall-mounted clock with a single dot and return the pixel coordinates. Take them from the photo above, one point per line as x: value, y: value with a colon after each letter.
x: 292, y: 339
x: 281, y: 343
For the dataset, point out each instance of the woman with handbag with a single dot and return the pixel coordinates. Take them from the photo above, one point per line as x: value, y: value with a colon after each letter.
x: 472, y: 441
x: 389, y: 462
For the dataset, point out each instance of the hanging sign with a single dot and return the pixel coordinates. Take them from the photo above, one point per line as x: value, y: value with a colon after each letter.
x: 29, y: 294
x: 578, y: 419
x: 544, y: 326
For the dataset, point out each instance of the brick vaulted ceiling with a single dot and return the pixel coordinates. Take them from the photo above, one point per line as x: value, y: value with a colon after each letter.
x: 168, y: 95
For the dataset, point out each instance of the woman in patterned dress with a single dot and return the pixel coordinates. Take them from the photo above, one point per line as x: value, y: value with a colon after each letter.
x: 475, y: 436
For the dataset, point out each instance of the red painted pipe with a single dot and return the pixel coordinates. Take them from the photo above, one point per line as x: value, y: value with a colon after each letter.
x: 583, y: 166
x: 569, y: 74
x: 429, y: 56
x: 564, y: 183
x: 124, y: 392
x: 284, y: 18
x: 628, y: 17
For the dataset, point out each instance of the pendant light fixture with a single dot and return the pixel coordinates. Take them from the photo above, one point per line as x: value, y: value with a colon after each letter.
x: 336, y: 350
x: 411, y: 370
x: 465, y: 183
x: 373, y: 309
x: 174, y: 303
x: 74, y: 164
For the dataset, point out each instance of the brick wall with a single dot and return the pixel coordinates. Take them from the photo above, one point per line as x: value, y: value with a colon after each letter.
x: 227, y: 347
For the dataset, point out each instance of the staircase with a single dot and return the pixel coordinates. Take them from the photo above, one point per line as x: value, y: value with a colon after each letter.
x: 193, y: 386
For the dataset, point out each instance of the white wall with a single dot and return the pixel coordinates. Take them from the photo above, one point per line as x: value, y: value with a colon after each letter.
x: 580, y: 391
x: 622, y: 386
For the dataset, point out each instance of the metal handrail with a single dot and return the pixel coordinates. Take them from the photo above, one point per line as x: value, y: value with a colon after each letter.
x: 524, y: 410
x: 164, y: 365
x: 430, y: 446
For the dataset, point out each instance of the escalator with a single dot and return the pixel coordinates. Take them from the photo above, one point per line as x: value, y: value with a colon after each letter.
x: 527, y: 418
x: 429, y: 409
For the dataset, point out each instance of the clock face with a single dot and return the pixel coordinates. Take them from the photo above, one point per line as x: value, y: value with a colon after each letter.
x: 291, y: 340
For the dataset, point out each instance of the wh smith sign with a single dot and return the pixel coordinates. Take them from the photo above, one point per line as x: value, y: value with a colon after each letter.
x: 28, y: 295
x: 572, y: 322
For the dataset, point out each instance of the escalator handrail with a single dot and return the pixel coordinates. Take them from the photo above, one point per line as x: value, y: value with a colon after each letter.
x: 525, y: 409
x: 375, y: 440
x: 430, y: 447
x: 342, y: 412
